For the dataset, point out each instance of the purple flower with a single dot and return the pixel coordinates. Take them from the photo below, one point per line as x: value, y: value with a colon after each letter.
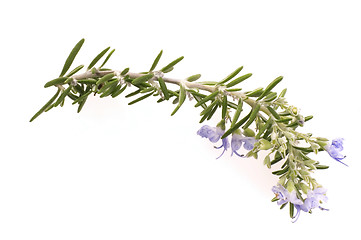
x: 249, y: 143
x: 214, y: 134
x: 335, y: 148
x: 281, y: 193
x: 238, y: 140
x: 284, y: 196
x: 313, y: 200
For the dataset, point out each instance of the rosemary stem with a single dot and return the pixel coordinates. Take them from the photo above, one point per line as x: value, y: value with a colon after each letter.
x: 190, y: 85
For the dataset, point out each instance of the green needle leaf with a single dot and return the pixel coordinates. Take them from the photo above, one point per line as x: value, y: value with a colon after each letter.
x: 274, y: 113
x: 133, y: 93
x: 98, y: 57
x: 212, y: 111
x: 105, y: 78
x: 171, y: 65
x: 236, y: 126
x: 168, y: 70
x: 142, y: 79
x: 266, y: 126
x: 284, y: 120
x: 117, y: 88
x: 283, y: 93
x: 163, y: 87
x: 280, y: 172
x: 308, y: 118
x: 107, y: 58
x: 75, y: 70
x: 118, y: 92
x: 224, y: 106
x: 238, y: 112
x: 210, y: 107
x: 140, y: 98
x: 110, y: 89
x: 321, y: 166
x: 193, y: 78
x: 82, y: 97
x: 233, y: 89
x: 253, y: 116
x: 209, y: 97
x: 45, y: 106
x: 72, y: 96
x: 125, y: 71
x: 270, y: 97
x: 108, y: 85
x: 292, y: 210
x: 209, y: 111
x: 56, y: 81
x: 238, y: 80
x: 270, y: 87
x: 182, y: 98
x: 155, y: 63
x: 81, y: 104
x: 230, y: 76
x: 146, y: 90
x: 87, y: 81
x: 62, y: 96
x: 71, y: 57
x: 198, y: 98
x: 255, y: 93
x: 79, y: 88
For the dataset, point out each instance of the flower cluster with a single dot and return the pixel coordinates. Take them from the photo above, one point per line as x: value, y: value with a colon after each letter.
x: 214, y: 134
x: 314, y: 199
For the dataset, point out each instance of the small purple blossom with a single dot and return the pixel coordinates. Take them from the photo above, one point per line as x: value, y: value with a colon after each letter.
x: 238, y: 140
x: 281, y: 193
x: 214, y: 134
x: 249, y: 143
x: 284, y: 196
x: 334, y: 150
x: 314, y: 199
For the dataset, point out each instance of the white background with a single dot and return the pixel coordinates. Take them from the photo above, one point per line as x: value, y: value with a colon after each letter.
x: 133, y: 172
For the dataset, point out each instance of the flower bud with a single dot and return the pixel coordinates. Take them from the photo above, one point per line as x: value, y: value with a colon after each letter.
x: 290, y: 136
x: 274, y: 136
x: 267, y: 161
x: 293, y: 110
x: 322, y: 139
x: 315, y: 147
x: 282, y: 180
x: 237, y: 131
x: 303, y: 172
x: 291, y: 164
x: 222, y: 124
x: 322, y: 143
x: 264, y: 144
x: 290, y: 186
x: 249, y: 132
x: 304, y: 187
